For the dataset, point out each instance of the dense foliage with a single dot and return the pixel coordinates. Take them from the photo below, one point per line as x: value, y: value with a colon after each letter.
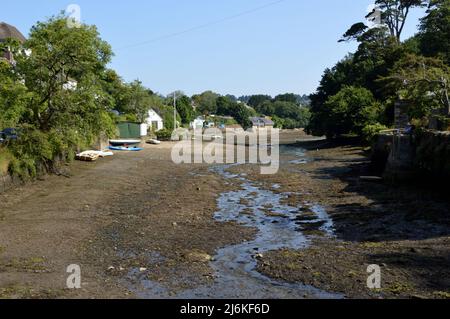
x: 54, y: 95
x: 358, y: 94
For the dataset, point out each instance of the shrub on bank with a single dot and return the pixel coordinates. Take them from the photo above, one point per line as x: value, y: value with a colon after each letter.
x: 370, y: 132
x: 164, y: 135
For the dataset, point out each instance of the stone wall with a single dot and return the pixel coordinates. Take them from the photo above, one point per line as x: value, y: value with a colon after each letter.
x: 401, y: 157
x: 432, y: 154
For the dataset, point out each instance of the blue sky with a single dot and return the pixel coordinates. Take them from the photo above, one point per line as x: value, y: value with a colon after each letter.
x: 228, y: 46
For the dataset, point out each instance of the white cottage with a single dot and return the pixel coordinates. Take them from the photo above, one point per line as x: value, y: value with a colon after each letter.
x: 198, y: 123
x: 153, y: 122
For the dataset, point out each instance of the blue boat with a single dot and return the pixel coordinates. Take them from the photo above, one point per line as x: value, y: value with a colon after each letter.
x: 126, y: 149
x: 125, y: 143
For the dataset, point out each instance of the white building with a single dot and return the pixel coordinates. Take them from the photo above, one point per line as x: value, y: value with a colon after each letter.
x: 198, y: 123
x: 153, y: 122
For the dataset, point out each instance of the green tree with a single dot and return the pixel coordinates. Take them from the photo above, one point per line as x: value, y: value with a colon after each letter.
x: 63, y: 73
x: 267, y: 108
x: 256, y: 100
x: 392, y: 13
x: 349, y: 111
x: 206, y: 102
x: 288, y: 97
x: 66, y: 106
x: 138, y: 101
x: 224, y: 106
x: 423, y: 81
x: 184, y: 107
x: 117, y: 90
x: 13, y: 97
x: 435, y: 30
x: 241, y: 114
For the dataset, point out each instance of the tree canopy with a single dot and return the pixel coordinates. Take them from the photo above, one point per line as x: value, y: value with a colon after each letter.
x: 387, y: 68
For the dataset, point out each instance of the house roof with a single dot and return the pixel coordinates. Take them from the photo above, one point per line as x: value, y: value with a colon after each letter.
x: 8, y: 31
x: 261, y: 121
x: 153, y: 112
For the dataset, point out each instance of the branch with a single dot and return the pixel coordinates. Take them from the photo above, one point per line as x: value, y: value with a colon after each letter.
x: 405, y: 16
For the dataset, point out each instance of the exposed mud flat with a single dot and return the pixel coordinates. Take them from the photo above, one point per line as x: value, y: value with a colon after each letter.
x: 402, y: 228
x: 140, y: 226
x: 278, y: 225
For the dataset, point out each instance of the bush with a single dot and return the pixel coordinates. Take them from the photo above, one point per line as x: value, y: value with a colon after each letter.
x: 37, y: 152
x: 5, y: 159
x: 164, y: 135
x: 347, y: 112
x: 370, y: 131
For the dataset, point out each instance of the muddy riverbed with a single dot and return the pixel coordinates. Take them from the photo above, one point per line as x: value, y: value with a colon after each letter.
x: 142, y: 227
x: 278, y: 226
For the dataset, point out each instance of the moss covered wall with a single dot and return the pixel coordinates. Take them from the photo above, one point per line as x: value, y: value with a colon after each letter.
x: 432, y: 154
x: 424, y: 154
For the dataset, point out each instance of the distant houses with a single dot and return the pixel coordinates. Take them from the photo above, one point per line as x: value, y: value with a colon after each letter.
x: 261, y: 123
x: 198, y: 123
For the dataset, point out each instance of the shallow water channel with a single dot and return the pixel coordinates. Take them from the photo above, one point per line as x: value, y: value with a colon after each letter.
x: 279, y: 226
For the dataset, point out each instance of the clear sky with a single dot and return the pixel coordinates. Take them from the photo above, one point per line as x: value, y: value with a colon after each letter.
x: 228, y: 46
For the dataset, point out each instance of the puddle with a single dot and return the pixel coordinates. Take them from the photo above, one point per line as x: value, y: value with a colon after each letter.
x: 296, y: 152
x: 279, y: 226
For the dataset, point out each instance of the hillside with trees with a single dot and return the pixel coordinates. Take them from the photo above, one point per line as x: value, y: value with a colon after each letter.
x: 359, y: 93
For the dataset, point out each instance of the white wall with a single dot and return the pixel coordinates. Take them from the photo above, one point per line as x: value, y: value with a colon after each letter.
x: 144, y: 129
x: 154, y: 117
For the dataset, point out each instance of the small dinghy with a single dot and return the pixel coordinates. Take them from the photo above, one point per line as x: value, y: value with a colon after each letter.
x: 92, y: 156
x: 126, y: 143
x: 125, y: 149
x: 153, y: 142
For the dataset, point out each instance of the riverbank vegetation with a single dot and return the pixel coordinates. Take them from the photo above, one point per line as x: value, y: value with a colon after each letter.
x: 358, y: 95
x: 60, y: 96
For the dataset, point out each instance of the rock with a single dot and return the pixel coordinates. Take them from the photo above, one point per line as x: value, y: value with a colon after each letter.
x: 174, y: 224
x: 259, y: 256
x: 199, y: 256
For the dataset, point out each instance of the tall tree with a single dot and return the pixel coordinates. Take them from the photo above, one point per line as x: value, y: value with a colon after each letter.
x: 64, y: 73
x: 224, y: 106
x: 185, y: 109
x: 423, y: 81
x: 392, y: 13
x: 13, y: 96
x: 139, y: 101
x: 206, y: 102
x: 257, y: 100
x: 435, y: 30
x: 288, y: 97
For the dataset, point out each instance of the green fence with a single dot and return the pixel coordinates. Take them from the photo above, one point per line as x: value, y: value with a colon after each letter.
x: 129, y: 130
